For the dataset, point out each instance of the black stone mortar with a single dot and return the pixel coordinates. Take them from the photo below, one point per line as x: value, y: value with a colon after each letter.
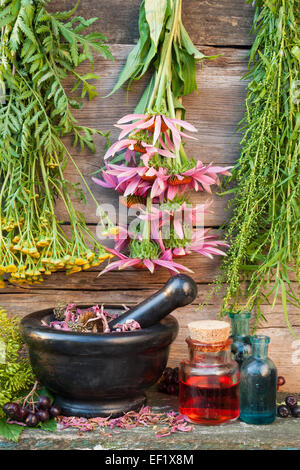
x: 97, y: 374
x: 107, y: 374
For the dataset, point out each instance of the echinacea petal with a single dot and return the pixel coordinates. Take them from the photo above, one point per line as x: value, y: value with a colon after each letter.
x: 149, y: 265
x: 116, y: 253
x: 169, y: 142
x: 186, y: 125
x: 166, y: 264
x: 174, y: 130
x: 172, y: 266
x: 157, y: 129
x: 132, y: 117
x: 179, y: 251
x: 111, y: 266
x: 146, y: 124
x: 129, y: 263
x: 126, y: 129
x: 187, y: 136
x: 117, y: 146
x: 167, y: 255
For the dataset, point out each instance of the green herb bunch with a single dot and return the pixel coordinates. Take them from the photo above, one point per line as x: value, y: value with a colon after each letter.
x: 38, y: 51
x: 165, y: 45
x: 16, y: 376
x: 155, y: 135
x: 264, y: 230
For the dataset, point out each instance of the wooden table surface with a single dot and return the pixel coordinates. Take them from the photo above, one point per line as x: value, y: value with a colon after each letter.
x: 283, y: 434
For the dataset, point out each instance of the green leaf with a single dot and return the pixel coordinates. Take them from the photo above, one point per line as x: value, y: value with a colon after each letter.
x: 50, y: 425
x: 296, y: 52
x: 142, y: 105
x: 191, y: 49
x: 284, y: 306
x: 6, y: 20
x: 12, y: 432
x: 132, y: 63
x: 187, y: 66
x: 139, y: 59
x: 155, y: 14
x: 66, y: 14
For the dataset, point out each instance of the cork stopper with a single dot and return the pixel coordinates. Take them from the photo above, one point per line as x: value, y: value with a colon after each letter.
x: 209, y: 331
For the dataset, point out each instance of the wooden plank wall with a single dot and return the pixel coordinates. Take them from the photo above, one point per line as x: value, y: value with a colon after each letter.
x: 215, y: 27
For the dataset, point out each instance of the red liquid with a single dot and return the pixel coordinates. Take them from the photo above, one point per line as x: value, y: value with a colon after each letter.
x: 209, y: 400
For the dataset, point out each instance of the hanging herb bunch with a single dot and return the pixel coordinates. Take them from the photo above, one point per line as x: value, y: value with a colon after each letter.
x: 154, y: 166
x: 264, y: 230
x: 38, y: 51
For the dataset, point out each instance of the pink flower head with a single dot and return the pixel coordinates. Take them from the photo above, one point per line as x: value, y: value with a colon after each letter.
x: 202, y: 243
x: 178, y: 217
x: 159, y: 125
x: 126, y: 180
x: 134, y: 146
x: 164, y: 261
x: 198, y: 178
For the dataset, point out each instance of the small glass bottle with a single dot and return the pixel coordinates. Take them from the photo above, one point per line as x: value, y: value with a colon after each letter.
x: 209, y: 383
x: 258, y: 384
x: 240, y: 334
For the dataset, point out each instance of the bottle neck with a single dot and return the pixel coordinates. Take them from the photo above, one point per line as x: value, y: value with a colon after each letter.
x: 209, y: 357
x: 209, y: 353
x: 260, y: 345
x: 240, y: 324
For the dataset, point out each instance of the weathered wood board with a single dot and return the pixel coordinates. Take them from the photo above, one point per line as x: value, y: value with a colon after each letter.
x: 208, y: 21
x: 216, y: 27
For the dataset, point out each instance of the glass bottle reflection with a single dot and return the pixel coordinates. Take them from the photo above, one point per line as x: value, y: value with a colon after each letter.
x: 258, y: 384
x: 240, y: 334
x: 209, y: 384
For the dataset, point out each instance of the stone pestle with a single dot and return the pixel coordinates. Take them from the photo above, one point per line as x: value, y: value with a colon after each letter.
x: 180, y: 290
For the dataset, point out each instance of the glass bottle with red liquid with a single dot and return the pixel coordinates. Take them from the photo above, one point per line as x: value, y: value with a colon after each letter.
x: 209, y: 380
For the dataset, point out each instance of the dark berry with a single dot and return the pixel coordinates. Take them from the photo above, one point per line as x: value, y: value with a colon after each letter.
x: 175, y: 376
x: 170, y: 389
x: 12, y: 410
x: 23, y: 413
x: 296, y: 411
x: 283, y: 411
x: 291, y: 401
x: 32, y: 420
x: 43, y: 415
x: 280, y: 381
x: 43, y: 403
x: 7, y: 408
x: 55, y: 411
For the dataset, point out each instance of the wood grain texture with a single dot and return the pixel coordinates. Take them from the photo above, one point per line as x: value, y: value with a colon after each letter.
x: 208, y: 21
x: 215, y: 110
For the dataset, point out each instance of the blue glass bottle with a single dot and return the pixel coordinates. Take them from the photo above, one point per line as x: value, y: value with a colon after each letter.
x: 240, y: 334
x: 258, y: 384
